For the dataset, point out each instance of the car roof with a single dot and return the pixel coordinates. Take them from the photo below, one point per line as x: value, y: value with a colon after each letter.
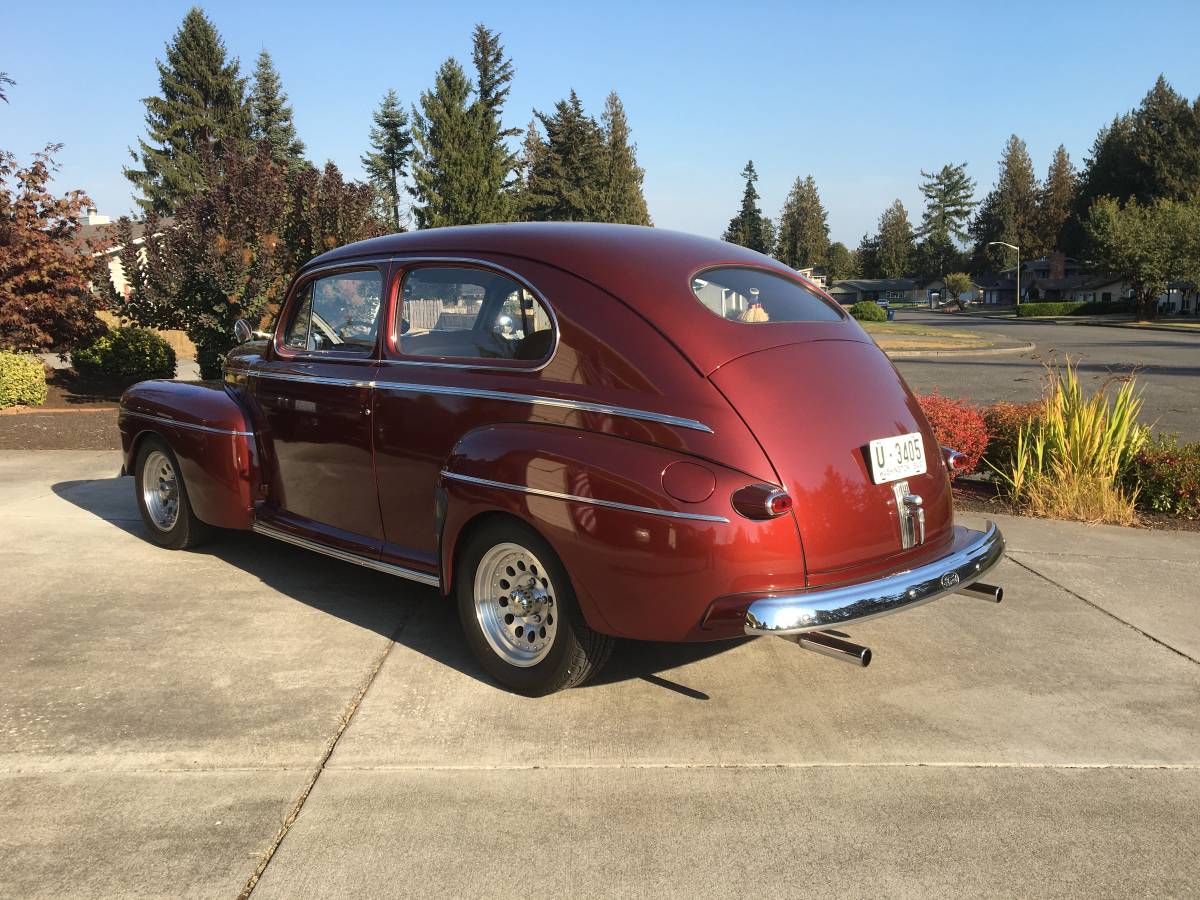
x: 649, y: 269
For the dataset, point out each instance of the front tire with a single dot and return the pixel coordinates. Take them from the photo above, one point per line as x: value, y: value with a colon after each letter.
x: 162, y: 498
x: 519, y: 612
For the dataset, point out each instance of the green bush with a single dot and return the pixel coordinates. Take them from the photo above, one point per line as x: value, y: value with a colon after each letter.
x: 1166, y: 476
x: 868, y: 311
x: 22, y: 380
x: 1063, y: 308
x: 1100, y: 308
x: 129, y: 353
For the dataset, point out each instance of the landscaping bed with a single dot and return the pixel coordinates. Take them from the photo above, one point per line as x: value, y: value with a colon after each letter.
x: 902, y: 336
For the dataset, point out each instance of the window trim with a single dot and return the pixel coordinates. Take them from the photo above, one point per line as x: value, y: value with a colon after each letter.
x: 303, y: 280
x: 393, y: 355
x: 820, y: 295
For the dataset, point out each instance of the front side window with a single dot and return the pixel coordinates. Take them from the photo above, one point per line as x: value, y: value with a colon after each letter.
x: 338, y: 313
x: 458, y: 312
x: 756, y: 297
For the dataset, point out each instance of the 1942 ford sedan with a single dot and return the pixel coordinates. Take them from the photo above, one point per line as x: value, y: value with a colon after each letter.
x: 577, y: 432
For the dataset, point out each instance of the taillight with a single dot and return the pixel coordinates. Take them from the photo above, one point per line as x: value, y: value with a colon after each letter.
x: 762, y: 501
x: 955, y: 461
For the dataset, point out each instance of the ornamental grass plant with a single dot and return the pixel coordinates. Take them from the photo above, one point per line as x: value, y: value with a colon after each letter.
x: 1069, y: 461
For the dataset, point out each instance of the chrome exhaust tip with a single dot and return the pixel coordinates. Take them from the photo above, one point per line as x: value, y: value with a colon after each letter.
x: 828, y: 645
x: 986, y: 591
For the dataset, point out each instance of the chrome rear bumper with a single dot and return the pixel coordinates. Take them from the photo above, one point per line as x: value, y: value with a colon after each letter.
x: 971, y: 555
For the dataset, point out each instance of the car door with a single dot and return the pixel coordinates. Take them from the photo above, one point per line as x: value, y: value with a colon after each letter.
x: 314, y: 394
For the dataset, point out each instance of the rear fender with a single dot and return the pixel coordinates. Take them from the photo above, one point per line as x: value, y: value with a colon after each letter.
x: 210, y: 434
x: 643, y: 563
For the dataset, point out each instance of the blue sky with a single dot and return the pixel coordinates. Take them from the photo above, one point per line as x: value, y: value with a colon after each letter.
x: 860, y: 95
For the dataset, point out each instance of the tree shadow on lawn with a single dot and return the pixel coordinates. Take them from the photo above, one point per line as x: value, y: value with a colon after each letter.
x: 412, y: 615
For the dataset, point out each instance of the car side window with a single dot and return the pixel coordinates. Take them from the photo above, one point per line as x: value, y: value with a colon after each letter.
x: 459, y: 312
x: 336, y: 314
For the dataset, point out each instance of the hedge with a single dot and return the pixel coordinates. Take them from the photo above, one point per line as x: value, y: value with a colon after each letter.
x: 22, y: 380
x: 129, y: 353
x: 1166, y: 475
x: 958, y: 425
x: 868, y: 311
x: 1072, y: 308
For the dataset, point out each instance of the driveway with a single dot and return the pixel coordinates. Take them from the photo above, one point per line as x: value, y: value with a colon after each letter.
x: 1167, y: 364
x: 173, y: 723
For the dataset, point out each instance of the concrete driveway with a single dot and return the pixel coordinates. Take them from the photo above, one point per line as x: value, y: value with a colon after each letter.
x: 168, y: 717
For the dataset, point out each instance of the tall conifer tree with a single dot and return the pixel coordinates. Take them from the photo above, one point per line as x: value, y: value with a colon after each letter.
x: 1056, y: 201
x: 1009, y: 213
x: 202, y: 111
x: 894, y: 242
x: 271, y: 115
x: 447, y: 158
x: 566, y: 178
x: 750, y: 228
x: 623, y: 198
x: 803, y: 227
x: 493, y: 78
x: 387, y: 161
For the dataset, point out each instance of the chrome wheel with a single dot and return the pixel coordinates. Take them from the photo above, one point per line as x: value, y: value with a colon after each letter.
x: 514, y: 603
x: 160, y: 490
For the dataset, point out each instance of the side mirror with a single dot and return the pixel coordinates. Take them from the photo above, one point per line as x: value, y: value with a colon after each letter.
x: 242, y: 331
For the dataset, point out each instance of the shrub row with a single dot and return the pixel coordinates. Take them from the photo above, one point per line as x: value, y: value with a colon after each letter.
x: 1072, y: 308
x: 130, y: 353
x: 1163, y: 476
x: 22, y: 380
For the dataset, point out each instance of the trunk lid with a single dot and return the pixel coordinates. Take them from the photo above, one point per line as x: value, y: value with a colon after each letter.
x: 815, y: 406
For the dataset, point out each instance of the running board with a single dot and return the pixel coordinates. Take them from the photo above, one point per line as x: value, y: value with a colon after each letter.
x: 346, y: 555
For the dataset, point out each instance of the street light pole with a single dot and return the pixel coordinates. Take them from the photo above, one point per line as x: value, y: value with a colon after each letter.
x: 1018, y: 249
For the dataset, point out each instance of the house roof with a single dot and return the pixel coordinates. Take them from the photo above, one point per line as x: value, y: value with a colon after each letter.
x: 107, y: 233
x: 874, y: 284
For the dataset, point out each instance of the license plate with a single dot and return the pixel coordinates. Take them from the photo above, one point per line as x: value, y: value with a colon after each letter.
x: 897, y: 457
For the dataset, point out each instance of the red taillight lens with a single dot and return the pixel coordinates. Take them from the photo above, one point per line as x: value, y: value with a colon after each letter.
x: 955, y: 461
x: 762, y: 501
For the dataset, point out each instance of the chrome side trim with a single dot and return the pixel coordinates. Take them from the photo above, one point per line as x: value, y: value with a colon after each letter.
x: 415, y: 388
x: 165, y: 420
x: 610, y: 504
x: 973, y: 554
x: 308, y: 379
x: 579, y: 405
x: 346, y: 555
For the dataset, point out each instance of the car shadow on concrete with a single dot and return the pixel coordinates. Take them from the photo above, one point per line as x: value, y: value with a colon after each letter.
x: 412, y: 615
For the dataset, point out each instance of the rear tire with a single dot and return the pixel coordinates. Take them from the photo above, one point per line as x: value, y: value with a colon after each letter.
x: 519, y: 612
x: 162, y: 498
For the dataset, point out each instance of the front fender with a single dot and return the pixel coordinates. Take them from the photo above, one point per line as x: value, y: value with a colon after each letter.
x: 644, y: 563
x: 210, y: 434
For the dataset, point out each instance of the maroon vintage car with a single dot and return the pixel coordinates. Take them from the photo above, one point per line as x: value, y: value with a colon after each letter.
x: 577, y: 432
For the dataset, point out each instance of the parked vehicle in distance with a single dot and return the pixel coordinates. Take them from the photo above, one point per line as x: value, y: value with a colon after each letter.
x: 578, y: 432
x: 884, y: 302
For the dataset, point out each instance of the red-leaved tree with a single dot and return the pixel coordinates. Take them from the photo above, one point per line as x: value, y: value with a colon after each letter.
x: 46, y: 301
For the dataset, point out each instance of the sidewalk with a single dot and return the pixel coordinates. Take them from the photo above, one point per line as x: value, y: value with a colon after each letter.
x: 166, y: 713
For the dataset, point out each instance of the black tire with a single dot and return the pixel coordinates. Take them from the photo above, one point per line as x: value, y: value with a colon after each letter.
x: 575, y: 652
x: 185, y: 530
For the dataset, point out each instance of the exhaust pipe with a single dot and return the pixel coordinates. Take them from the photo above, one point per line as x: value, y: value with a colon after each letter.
x: 986, y: 591
x: 828, y: 645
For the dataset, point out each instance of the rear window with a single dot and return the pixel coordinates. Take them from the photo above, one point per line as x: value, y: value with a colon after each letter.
x: 757, y: 297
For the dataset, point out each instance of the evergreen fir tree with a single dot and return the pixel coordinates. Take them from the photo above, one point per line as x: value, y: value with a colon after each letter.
x: 750, y: 228
x: 1056, y: 201
x: 5, y: 83
x: 867, y: 256
x: 623, y: 198
x: 566, y: 176
x: 949, y: 200
x: 803, y: 227
x: 894, y: 242
x: 271, y: 115
x: 494, y: 73
x: 447, y: 158
x: 201, y: 111
x: 387, y: 162
x: 1009, y: 212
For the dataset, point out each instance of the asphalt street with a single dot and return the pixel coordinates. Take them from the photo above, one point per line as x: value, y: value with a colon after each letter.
x: 174, y: 723
x: 1167, y: 364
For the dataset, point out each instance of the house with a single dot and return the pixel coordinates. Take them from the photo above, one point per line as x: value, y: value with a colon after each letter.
x: 1182, y: 298
x: 814, y: 274
x: 896, y: 290
x: 97, y: 230
x: 997, y: 289
x: 1102, y: 288
x: 935, y: 294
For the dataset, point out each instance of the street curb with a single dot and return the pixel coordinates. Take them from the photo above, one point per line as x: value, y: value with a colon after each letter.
x: 1135, y: 327
x: 993, y: 351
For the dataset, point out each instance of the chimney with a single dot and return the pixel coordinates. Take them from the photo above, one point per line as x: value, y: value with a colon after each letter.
x: 1058, y: 264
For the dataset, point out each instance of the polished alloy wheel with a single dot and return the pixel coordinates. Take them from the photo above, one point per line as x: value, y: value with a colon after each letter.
x: 160, y: 490
x: 514, y: 603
